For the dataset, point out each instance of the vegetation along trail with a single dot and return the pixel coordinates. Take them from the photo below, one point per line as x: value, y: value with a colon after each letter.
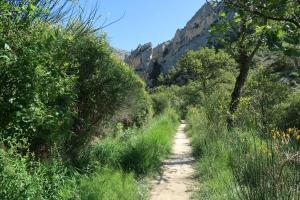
x: 176, y: 179
x: 81, y: 119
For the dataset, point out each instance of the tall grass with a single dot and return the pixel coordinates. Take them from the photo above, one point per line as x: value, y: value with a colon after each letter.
x: 266, y: 169
x: 23, y: 177
x: 241, y: 164
x: 212, y: 152
x: 109, y: 184
x: 115, y: 164
x: 126, y: 156
x: 143, y: 151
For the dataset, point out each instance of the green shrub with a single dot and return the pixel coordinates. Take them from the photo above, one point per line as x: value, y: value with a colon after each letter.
x: 58, y: 86
x: 109, y: 184
x: 260, y: 105
x: 22, y: 177
x: 181, y: 97
x: 160, y: 102
x: 36, y: 88
x: 290, y: 117
x: 106, y: 86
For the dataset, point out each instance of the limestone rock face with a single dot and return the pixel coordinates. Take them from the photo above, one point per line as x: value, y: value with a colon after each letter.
x: 121, y: 54
x: 146, y: 59
x: 140, y: 59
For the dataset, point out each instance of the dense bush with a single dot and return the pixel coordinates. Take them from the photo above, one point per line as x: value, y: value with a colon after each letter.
x: 262, y: 101
x: 37, y: 92
x: 22, y: 177
x: 55, y: 86
x: 290, y: 117
x: 60, y: 85
x: 160, y: 102
x: 106, y: 87
x: 180, y: 98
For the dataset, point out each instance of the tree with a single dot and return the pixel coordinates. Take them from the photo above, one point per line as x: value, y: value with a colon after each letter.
x: 247, y: 25
x: 206, y: 66
x: 105, y: 85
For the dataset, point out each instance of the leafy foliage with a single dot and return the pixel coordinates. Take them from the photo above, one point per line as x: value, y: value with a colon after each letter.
x: 160, y: 102
x: 60, y: 86
x: 291, y: 115
x: 51, y: 92
x: 22, y: 177
x: 206, y: 66
x: 105, y: 86
x: 262, y: 98
x: 249, y: 25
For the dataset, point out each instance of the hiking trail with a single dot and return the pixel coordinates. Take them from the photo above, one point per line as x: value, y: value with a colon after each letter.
x: 176, y: 178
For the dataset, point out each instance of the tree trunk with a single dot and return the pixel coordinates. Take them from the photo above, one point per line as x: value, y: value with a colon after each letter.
x: 239, y: 84
x: 244, y: 64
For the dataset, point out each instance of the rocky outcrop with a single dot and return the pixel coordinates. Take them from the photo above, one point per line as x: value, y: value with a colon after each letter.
x: 140, y: 59
x: 121, y: 54
x: 147, y: 60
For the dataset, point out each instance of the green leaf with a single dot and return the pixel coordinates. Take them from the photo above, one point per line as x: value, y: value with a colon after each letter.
x: 237, y: 19
x: 292, y: 52
x: 280, y: 33
x: 32, y: 7
x: 260, y: 29
x: 5, y: 57
x: 222, y: 14
x: 18, y: 114
x: 7, y: 47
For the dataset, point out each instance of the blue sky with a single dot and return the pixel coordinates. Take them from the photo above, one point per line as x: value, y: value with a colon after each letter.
x: 145, y: 20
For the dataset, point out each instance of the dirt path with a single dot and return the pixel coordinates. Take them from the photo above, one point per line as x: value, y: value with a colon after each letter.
x: 176, y: 180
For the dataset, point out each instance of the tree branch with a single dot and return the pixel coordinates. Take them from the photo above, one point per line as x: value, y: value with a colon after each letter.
x: 260, y: 14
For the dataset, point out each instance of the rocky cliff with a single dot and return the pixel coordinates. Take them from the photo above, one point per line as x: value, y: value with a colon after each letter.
x: 121, y: 54
x: 149, y: 61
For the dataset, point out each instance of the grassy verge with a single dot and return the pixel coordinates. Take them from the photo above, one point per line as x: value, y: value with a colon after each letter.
x: 115, y: 170
x: 240, y: 164
x: 138, y: 151
x: 109, y: 184
x: 129, y: 156
x: 212, y: 168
